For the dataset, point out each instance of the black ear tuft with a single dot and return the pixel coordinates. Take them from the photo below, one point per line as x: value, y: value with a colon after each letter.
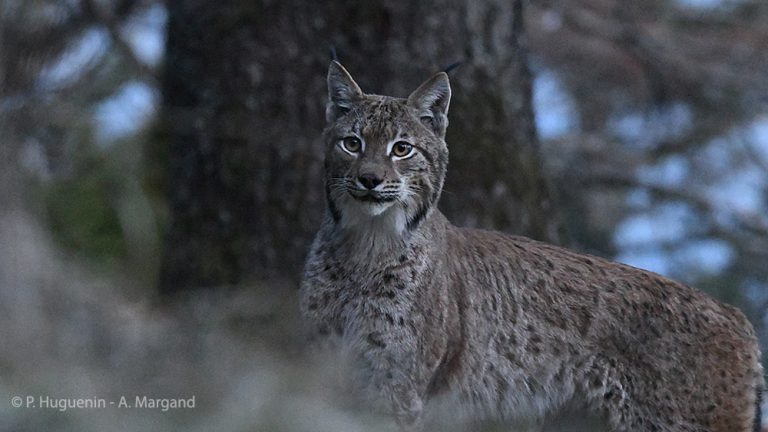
x: 452, y: 67
x: 332, y: 52
x: 343, y: 91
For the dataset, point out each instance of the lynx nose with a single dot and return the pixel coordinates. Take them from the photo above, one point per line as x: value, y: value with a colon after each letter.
x: 370, y: 181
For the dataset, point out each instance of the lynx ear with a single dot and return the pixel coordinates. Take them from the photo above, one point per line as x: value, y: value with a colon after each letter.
x: 342, y: 91
x: 431, y: 100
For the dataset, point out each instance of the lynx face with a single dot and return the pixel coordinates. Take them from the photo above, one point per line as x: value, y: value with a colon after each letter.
x: 385, y: 158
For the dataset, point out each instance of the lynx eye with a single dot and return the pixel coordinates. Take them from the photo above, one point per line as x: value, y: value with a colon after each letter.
x: 402, y: 149
x: 351, y: 145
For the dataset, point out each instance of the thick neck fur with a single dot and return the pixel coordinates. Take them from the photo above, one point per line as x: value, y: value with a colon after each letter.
x: 363, y: 237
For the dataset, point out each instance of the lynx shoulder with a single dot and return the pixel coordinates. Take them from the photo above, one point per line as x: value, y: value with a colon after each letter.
x: 508, y: 326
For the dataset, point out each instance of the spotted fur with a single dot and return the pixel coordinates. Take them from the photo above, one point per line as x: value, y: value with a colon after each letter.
x: 506, y: 326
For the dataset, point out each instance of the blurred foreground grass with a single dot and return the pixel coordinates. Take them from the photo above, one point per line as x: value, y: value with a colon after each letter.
x: 68, y: 332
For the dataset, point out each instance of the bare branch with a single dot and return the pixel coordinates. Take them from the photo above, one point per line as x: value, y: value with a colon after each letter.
x: 111, y: 24
x: 699, y: 202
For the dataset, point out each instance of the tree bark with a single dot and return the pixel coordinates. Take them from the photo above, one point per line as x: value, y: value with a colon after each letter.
x: 244, y: 96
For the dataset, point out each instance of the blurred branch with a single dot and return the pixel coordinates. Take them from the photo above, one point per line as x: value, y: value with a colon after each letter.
x: 26, y: 49
x: 752, y: 227
x: 618, y: 180
x: 754, y: 156
x: 628, y: 37
x: 672, y: 245
x: 110, y: 22
x: 705, y: 130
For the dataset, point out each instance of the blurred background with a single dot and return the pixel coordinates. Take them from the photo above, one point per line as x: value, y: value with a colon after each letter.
x: 161, y: 176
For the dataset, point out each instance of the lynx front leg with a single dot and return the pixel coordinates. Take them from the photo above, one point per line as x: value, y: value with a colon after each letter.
x: 408, y: 407
x: 399, y: 376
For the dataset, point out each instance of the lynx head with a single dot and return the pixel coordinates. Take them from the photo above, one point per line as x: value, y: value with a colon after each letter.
x: 385, y: 157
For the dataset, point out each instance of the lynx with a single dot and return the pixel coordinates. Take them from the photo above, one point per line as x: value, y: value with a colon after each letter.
x: 509, y: 326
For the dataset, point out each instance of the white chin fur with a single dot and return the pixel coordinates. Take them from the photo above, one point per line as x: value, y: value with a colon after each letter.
x: 375, y: 217
x: 375, y: 209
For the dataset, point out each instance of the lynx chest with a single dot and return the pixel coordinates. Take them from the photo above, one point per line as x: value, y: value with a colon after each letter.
x: 340, y: 297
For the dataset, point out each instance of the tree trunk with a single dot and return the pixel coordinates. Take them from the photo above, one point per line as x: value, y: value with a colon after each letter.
x: 244, y: 96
